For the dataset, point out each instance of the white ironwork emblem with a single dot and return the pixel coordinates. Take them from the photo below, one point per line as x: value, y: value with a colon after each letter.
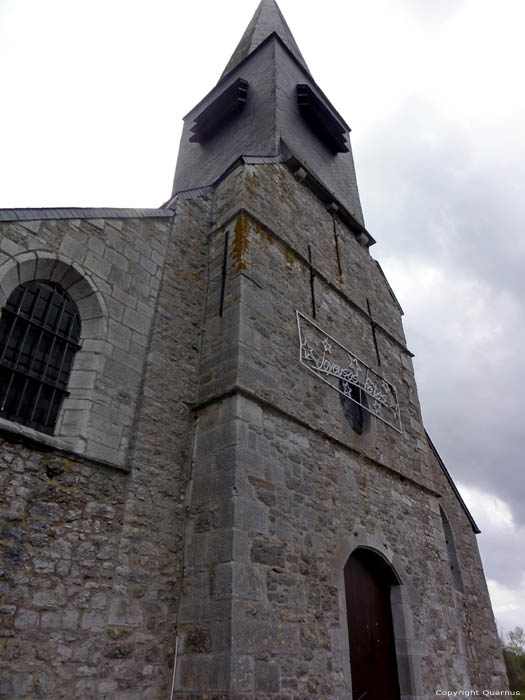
x: 338, y: 367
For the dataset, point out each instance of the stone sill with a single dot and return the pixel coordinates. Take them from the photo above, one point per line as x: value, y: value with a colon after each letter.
x: 72, y: 448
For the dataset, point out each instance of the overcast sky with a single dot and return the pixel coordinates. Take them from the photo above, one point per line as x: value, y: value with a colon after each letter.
x: 93, y: 96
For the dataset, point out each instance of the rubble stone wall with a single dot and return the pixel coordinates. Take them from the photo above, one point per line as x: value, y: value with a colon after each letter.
x: 92, y: 548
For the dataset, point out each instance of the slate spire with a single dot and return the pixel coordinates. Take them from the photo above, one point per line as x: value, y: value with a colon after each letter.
x: 268, y: 106
x: 268, y: 19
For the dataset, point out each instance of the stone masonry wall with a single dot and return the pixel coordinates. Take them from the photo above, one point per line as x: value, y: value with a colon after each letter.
x: 59, y: 527
x: 239, y: 482
x: 269, y: 274
x: 283, y: 490
x: 269, y: 595
x: 92, y: 555
x: 472, y: 602
x: 111, y: 268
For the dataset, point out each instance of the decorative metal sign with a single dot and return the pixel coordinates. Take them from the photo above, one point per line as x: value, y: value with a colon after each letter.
x: 343, y: 371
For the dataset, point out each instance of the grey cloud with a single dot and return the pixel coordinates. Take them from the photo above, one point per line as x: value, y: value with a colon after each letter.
x: 503, y: 556
x: 429, y: 194
x: 434, y: 195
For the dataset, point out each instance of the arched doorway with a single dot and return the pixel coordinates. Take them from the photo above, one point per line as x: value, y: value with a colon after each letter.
x: 368, y: 584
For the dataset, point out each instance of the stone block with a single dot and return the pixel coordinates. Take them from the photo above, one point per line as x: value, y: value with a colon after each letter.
x: 239, y: 580
x: 51, y: 620
x: 196, y: 640
x: 136, y: 321
x: 92, y: 621
x: 251, y: 637
x: 82, y: 380
x: 250, y: 516
x: 74, y: 422
x: 10, y: 247
x: 73, y: 248
x: 105, y: 453
x: 116, y: 259
x: 109, y: 435
x: 96, y: 245
x: 89, y: 306
x: 242, y: 676
x: 45, y: 599
x: 26, y: 619
x: 148, y: 265
x: 60, y: 271
x: 267, y: 677
x: 27, y: 267
x: 9, y: 278
x: 93, y: 328
x: 198, y: 671
x: 125, y: 298
x: 98, y: 264
x: 125, y: 613
x: 16, y: 685
x: 118, y: 334
x: 250, y: 411
x: 131, y: 254
x: 268, y: 552
x: 44, y: 566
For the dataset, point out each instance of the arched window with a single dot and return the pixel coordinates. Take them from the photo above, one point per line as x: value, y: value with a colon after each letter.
x: 451, y: 551
x: 39, y: 335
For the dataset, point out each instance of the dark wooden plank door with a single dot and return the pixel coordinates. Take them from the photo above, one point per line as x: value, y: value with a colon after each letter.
x: 372, y: 647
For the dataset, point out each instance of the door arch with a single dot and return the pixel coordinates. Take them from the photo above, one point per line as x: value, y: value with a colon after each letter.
x: 373, y: 662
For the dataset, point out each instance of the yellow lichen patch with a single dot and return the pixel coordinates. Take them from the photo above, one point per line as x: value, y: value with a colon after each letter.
x: 55, y: 467
x: 267, y: 236
x: 283, y: 185
x: 243, y: 227
x: 240, y: 241
x: 250, y: 184
x: 293, y: 264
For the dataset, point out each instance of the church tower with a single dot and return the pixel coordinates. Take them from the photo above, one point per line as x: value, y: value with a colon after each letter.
x: 217, y: 482
x: 327, y: 552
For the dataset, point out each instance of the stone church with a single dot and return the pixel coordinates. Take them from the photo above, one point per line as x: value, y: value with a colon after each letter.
x: 215, y: 478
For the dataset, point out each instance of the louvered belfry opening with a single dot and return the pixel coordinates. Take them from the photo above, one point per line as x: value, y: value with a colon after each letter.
x: 39, y: 335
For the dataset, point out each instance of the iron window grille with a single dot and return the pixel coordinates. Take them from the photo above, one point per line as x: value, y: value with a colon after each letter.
x: 39, y: 336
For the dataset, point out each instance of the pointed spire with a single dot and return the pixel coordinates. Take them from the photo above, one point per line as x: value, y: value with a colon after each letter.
x: 268, y: 19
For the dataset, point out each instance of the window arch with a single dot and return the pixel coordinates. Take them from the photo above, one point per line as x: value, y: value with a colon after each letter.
x: 39, y: 335
x: 453, y: 562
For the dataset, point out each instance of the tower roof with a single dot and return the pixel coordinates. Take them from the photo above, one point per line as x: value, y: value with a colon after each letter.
x: 267, y: 107
x: 267, y: 20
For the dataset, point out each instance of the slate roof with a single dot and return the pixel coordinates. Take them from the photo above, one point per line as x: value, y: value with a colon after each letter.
x: 267, y: 20
x: 450, y: 480
x: 82, y: 213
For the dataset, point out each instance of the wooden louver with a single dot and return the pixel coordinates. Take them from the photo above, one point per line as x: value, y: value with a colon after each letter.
x: 321, y: 120
x: 221, y: 110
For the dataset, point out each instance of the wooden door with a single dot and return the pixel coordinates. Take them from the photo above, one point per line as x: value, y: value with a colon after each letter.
x: 368, y: 581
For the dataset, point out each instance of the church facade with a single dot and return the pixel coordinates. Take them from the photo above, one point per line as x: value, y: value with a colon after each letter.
x: 215, y: 478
